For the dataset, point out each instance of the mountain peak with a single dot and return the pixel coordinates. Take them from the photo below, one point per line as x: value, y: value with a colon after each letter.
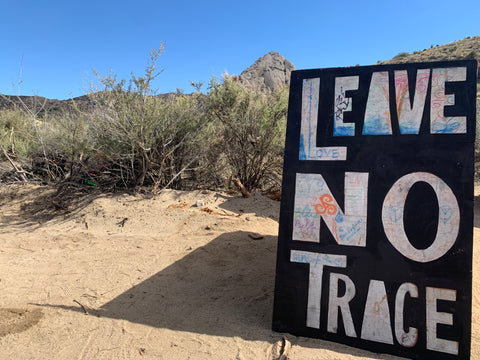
x: 269, y: 73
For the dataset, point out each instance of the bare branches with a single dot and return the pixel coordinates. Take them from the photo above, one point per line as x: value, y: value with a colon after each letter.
x: 17, y: 169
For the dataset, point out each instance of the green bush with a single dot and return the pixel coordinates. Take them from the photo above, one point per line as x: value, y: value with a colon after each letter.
x: 148, y: 139
x: 252, y: 131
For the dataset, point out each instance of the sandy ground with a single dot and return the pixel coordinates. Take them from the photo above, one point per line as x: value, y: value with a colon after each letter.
x: 135, y: 277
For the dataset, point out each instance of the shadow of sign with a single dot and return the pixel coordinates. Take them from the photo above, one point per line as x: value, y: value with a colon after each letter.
x: 223, y: 288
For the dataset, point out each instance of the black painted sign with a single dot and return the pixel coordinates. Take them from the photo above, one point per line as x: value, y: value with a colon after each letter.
x: 376, y: 223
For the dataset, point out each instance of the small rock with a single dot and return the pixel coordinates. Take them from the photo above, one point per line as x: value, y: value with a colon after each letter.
x: 208, y: 227
x: 200, y: 203
x: 148, y: 195
x: 256, y: 236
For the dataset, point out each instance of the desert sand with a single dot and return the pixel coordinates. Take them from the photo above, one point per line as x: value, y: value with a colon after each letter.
x: 139, y: 277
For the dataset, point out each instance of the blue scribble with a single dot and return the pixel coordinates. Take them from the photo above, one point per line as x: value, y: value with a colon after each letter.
x: 339, y: 130
x: 348, y: 235
x: 445, y: 128
x: 339, y: 217
x: 409, y: 128
x: 445, y: 213
x: 376, y: 126
x: 394, y: 213
x: 302, y: 155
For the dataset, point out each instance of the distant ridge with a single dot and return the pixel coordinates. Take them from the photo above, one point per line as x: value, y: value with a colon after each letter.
x: 269, y: 73
x: 40, y: 104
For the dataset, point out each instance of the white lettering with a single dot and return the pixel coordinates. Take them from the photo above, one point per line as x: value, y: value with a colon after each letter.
x: 317, y: 261
x: 410, y: 117
x: 308, y: 128
x: 406, y: 339
x: 314, y: 200
x: 342, y: 104
x: 434, y: 317
x: 377, y: 114
x: 335, y: 303
x: 439, y: 123
x: 448, y: 217
x: 376, y: 318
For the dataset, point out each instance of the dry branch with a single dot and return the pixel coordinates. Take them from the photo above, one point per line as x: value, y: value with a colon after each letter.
x: 241, y: 188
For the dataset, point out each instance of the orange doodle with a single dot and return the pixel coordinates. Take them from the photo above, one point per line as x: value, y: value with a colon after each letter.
x: 325, y: 206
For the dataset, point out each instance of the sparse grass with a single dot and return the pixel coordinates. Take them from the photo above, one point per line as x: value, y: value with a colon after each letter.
x: 468, y: 48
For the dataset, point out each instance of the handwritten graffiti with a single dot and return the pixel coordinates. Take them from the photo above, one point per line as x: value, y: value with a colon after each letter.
x: 395, y: 213
x: 308, y: 149
x: 342, y: 104
x: 410, y: 116
x: 347, y: 227
x: 441, y: 124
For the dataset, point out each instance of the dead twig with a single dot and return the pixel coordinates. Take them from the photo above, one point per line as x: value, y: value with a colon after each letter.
x: 20, y: 247
x: 155, y: 190
x: 90, y: 295
x: 83, y: 307
x: 214, y: 212
x: 19, y: 171
x: 122, y: 223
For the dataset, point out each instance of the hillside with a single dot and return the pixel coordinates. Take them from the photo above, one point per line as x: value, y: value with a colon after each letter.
x: 468, y: 48
x: 39, y: 104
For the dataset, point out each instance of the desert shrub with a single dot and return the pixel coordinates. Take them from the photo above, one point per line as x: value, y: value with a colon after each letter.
x: 182, y: 141
x: 401, y: 55
x: 472, y: 55
x: 251, y: 127
x: 68, y: 142
x: 147, y: 139
x: 16, y: 134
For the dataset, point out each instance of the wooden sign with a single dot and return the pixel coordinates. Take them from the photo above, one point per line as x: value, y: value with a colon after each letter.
x: 376, y: 223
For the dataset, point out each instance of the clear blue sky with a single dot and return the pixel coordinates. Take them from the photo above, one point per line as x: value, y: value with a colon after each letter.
x: 61, y: 41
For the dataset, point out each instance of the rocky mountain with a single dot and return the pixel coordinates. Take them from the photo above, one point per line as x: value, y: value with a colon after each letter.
x: 267, y: 74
